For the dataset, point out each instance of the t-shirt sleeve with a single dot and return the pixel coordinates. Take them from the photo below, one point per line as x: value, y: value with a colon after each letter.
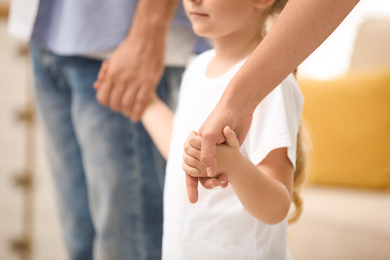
x: 275, y: 123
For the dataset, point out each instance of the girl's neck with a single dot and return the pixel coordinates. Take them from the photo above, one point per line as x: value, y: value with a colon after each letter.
x: 231, y: 49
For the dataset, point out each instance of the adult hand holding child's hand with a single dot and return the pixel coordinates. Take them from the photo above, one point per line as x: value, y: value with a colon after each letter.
x: 194, y: 168
x: 135, y: 68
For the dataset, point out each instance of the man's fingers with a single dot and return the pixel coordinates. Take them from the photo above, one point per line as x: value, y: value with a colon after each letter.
x: 116, y: 97
x: 192, y: 188
x: 207, y: 155
x: 128, y: 99
x: 141, y: 101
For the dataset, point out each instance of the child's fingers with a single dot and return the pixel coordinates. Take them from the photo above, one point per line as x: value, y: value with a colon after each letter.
x: 103, y: 95
x: 103, y: 70
x: 96, y: 85
x: 223, y: 180
x: 192, y: 188
x: 191, y: 161
x: 193, y: 133
x: 101, y: 75
x: 190, y: 150
x: 193, y: 170
x: 225, y: 185
x: 209, y: 183
x: 195, y: 140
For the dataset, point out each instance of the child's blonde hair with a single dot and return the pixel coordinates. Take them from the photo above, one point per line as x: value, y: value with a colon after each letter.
x: 303, y: 154
x: 273, y: 13
x: 278, y: 6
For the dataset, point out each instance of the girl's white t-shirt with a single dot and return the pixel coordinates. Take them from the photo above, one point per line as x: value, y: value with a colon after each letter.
x: 218, y: 226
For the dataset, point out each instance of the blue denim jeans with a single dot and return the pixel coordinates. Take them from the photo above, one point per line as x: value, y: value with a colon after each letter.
x: 107, y: 172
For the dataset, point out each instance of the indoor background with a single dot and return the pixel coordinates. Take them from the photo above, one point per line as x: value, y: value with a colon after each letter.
x: 346, y: 84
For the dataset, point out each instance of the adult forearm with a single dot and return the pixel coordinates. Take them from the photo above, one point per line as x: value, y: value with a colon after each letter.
x: 153, y: 18
x: 137, y: 63
x: 301, y: 27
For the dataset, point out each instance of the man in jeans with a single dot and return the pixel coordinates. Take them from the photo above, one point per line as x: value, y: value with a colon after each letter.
x: 108, y: 175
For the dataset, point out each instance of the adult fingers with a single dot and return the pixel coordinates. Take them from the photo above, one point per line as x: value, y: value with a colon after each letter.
x: 208, y: 153
x: 141, y: 101
x: 128, y: 99
x: 116, y: 96
x: 192, y: 188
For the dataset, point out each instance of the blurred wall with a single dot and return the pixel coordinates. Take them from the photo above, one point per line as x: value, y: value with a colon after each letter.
x: 332, y: 58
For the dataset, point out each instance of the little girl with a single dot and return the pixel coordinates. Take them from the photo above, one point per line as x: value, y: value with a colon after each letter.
x: 248, y: 219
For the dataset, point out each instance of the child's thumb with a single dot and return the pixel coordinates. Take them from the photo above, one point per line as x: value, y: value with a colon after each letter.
x: 231, y: 138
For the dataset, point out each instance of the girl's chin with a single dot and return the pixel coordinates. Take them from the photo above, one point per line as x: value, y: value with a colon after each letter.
x: 202, y: 33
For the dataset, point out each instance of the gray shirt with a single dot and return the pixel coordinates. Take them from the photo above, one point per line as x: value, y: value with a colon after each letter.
x: 81, y: 27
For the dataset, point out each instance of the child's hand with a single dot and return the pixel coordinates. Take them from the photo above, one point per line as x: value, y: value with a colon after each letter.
x: 101, y: 76
x: 226, y: 151
x: 191, y: 156
x: 231, y: 139
x: 195, y: 170
x: 225, y: 156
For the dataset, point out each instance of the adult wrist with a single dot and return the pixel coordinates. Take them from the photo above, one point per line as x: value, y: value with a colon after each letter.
x: 237, y: 102
x: 152, y: 19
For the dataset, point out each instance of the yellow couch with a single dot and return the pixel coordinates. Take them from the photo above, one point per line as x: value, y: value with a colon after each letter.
x: 349, y: 117
x: 349, y: 124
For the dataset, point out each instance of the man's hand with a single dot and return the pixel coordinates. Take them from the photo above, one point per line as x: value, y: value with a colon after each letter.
x: 212, y: 132
x: 135, y: 69
x: 137, y: 64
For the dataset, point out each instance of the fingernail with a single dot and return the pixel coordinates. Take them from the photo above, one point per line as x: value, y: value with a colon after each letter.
x: 209, y: 172
x: 222, y: 182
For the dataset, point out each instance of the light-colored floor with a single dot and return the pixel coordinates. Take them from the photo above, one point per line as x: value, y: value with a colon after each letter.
x: 337, y: 224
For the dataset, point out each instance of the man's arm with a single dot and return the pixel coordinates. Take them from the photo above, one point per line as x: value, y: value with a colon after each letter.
x: 137, y: 64
x: 157, y: 117
x: 301, y: 27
